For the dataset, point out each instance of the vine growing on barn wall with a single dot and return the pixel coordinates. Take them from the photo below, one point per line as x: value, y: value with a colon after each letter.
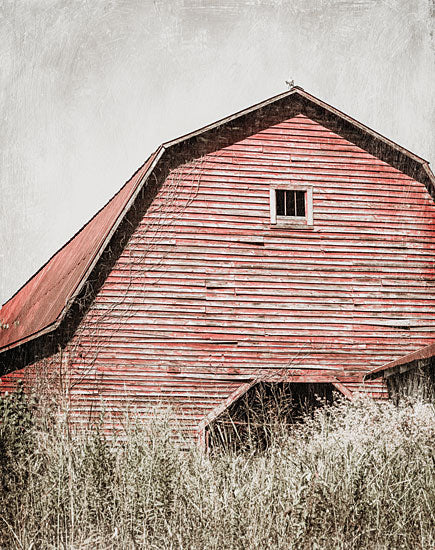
x: 108, y: 315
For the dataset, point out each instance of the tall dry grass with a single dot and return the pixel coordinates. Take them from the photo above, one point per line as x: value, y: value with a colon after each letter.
x: 355, y: 475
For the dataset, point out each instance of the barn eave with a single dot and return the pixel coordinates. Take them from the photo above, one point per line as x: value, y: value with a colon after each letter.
x: 403, y: 364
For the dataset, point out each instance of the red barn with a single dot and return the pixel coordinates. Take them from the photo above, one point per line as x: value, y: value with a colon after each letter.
x: 287, y: 242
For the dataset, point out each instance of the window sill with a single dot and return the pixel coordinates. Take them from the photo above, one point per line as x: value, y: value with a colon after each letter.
x: 293, y: 223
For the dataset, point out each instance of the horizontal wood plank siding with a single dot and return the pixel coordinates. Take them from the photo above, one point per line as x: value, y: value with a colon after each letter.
x: 208, y: 294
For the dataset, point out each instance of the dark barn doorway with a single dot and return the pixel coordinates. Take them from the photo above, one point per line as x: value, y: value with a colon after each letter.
x: 265, y: 411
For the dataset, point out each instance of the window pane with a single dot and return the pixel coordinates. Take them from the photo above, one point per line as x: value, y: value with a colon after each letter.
x: 290, y: 203
x: 280, y: 202
x: 300, y: 203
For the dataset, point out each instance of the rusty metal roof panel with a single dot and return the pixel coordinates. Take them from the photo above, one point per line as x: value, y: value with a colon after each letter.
x: 40, y: 304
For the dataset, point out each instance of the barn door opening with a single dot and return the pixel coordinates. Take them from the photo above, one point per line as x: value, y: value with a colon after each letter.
x: 266, y: 411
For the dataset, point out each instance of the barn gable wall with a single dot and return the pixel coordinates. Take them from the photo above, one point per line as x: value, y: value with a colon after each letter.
x: 207, y: 294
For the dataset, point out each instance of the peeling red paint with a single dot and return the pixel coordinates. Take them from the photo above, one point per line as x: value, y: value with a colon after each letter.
x: 209, y: 295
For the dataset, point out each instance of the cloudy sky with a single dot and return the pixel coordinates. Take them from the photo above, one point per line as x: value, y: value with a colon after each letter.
x: 88, y: 88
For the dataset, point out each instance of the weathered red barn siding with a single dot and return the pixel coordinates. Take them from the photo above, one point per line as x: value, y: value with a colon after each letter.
x: 208, y: 294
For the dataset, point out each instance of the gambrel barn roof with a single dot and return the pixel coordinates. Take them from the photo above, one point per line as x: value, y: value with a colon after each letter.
x: 41, y: 304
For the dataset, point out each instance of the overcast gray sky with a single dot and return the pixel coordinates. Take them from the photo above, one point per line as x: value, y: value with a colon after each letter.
x: 88, y: 88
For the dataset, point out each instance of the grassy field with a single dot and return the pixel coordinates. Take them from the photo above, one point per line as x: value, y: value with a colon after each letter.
x: 355, y: 475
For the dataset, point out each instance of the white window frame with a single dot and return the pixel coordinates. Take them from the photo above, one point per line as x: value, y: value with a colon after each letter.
x: 301, y: 222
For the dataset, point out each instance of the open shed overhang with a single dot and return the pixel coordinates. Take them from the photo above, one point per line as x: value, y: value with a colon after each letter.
x: 403, y: 364
x: 247, y: 384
